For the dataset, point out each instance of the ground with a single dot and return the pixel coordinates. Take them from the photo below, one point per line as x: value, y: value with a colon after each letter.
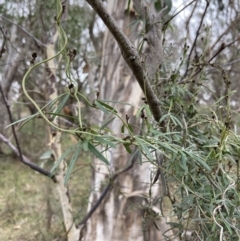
x: 29, y: 206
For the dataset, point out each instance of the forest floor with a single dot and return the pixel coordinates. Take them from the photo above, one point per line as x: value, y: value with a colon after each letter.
x: 29, y: 205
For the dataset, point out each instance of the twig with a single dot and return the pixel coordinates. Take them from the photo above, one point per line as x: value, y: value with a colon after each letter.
x: 24, y: 159
x: 190, y: 16
x: 196, y: 37
x: 107, y: 188
x: 20, y: 60
x: 173, y: 16
x: 221, y: 48
x: 221, y: 35
x: 96, y: 205
x: 17, y: 150
x: 38, y: 42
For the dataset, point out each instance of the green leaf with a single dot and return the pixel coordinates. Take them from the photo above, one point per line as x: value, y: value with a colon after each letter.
x: 53, y: 102
x: 127, y: 147
x: 198, y: 159
x: 62, y: 103
x: 175, y: 225
x: 130, y: 127
x: 226, y: 224
x: 118, y: 102
x: 102, y: 108
x: 97, y: 153
x: 26, y: 119
x: 164, y: 117
x: 148, y: 112
x: 106, y: 122
x: 167, y: 146
x: 128, y: 6
x: 176, y: 121
x: 85, y: 145
x: 122, y: 128
x: 184, y: 161
x: 105, y: 107
x: 140, y: 110
x: 46, y: 155
x: 136, y: 152
x: 105, y: 141
x: 72, y: 163
x: 67, y: 152
x: 144, y: 148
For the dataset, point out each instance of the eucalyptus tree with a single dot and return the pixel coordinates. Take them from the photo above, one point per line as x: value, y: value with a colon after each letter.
x: 161, y: 126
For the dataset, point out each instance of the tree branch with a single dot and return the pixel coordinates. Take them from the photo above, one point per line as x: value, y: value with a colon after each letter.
x: 38, y: 42
x: 220, y: 49
x: 17, y: 150
x: 108, y: 187
x: 130, y: 55
x: 24, y: 159
x: 174, y: 15
x: 196, y: 37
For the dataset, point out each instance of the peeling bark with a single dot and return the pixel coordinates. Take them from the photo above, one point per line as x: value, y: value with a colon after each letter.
x: 73, y: 232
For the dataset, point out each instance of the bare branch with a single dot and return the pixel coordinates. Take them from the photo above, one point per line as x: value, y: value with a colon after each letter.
x: 107, y: 189
x: 96, y: 205
x: 173, y: 16
x: 24, y: 159
x: 196, y: 37
x: 190, y: 16
x: 38, y: 42
x: 17, y: 150
x: 220, y: 49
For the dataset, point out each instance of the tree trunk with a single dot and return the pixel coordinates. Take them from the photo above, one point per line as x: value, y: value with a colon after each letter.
x: 127, y: 212
x: 8, y: 76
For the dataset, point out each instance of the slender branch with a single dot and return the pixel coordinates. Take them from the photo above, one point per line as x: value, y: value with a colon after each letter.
x: 196, y: 37
x: 107, y: 188
x: 221, y: 48
x: 190, y: 16
x: 20, y: 60
x: 17, y: 150
x: 24, y: 159
x: 173, y: 16
x: 96, y: 205
x: 131, y: 56
x: 38, y: 42
x: 221, y: 35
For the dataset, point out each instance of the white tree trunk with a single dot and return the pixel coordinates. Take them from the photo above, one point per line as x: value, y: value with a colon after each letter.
x: 123, y: 215
x: 73, y: 232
